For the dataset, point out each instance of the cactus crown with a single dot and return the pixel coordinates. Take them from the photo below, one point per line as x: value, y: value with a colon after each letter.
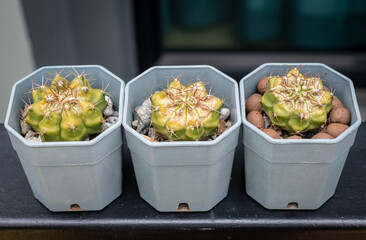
x: 66, y: 111
x: 296, y: 102
x: 185, y: 113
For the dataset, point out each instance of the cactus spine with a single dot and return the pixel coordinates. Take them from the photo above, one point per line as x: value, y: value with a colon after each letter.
x: 66, y: 111
x: 185, y: 113
x: 296, y: 102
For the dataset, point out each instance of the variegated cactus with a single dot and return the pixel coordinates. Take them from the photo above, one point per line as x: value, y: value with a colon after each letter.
x: 66, y: 111
x: 296, y: 102
x: 185, y: 113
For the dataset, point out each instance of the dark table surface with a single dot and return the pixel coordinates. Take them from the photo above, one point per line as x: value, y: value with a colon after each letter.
x: 237, y: 216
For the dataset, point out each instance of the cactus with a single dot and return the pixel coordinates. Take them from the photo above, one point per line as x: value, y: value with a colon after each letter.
x: 182, y: 113
x: 66, y: 111
x: 296, y: 102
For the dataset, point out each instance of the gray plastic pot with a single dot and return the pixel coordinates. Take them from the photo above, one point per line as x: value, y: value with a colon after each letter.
x: 296, y: 174
x: 67, y: 175
x: 192, y: 175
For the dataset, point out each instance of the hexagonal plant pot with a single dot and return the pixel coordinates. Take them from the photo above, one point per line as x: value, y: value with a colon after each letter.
x: 192, y: 175
x: 64, y: 176
x: 296, y: 173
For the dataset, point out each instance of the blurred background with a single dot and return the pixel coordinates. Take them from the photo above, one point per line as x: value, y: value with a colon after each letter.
x: 127, y: 36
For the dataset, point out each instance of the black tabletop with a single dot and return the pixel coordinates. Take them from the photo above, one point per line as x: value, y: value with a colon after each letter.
x: 238, y: 215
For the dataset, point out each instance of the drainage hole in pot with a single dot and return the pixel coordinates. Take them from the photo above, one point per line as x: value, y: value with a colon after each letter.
x: 183, y: 207
x: 292, y: 205
x: 75, y: 207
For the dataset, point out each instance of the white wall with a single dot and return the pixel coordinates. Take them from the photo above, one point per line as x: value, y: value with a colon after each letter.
x: 16, y: 57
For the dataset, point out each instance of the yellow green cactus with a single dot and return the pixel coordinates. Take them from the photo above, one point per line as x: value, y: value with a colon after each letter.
x: 66, y: 111
x: 185, y: 113
x: 296, y: 102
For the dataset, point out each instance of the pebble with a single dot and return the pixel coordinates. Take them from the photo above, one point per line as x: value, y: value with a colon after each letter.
x: 145, y: 131
x: 224, y: 114
x: 253, y: 103
x: 267, y: 121
x: 294, y: 137
x: 143, y: 115
x: 34, y: 139
x: 272, y: 133
x: 256, y: 118
x: 336, y: 129
x: 25, y: 127
x: 108, y: 111
x: 340, y: 115
x: 279, y: 132
x: 30, y: 134
x: 115, y: 114
x: 221, y: 127
x: 106, y: 125
x: 151, y: 133
x: 112, y: 119
x: 24, y: 113
x: 135, y: 124
x: 262, y: 85
x: 228, y: 124
x: 336, y: 102
x: 147, y: 104
x: 322, y: 135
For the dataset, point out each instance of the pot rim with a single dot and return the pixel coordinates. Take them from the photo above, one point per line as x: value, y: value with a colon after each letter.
x: 229, y: 131
x: 351, y: 128
x: 65, y: 143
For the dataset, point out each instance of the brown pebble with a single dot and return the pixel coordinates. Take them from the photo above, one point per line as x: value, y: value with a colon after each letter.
x: 340, y: 115
x: 336, y: 102
x: 256, y: 118
x: 294, y: 137
x: 326, y: 89
x: 272, y: 133
x: 221, y: 128
x: 254, y: 103
x: 262, y: 85
x: 322, y: 135
x: 335, y: 129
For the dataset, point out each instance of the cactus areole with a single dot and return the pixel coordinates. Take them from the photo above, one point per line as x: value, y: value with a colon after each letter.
x: 296, y: 102
x: 66, y: 111
x: 185, y: 113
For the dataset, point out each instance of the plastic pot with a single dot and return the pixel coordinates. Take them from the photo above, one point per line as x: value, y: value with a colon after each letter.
x: 296, y: 174
x: 64, y: 176
x: 182, y: 175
